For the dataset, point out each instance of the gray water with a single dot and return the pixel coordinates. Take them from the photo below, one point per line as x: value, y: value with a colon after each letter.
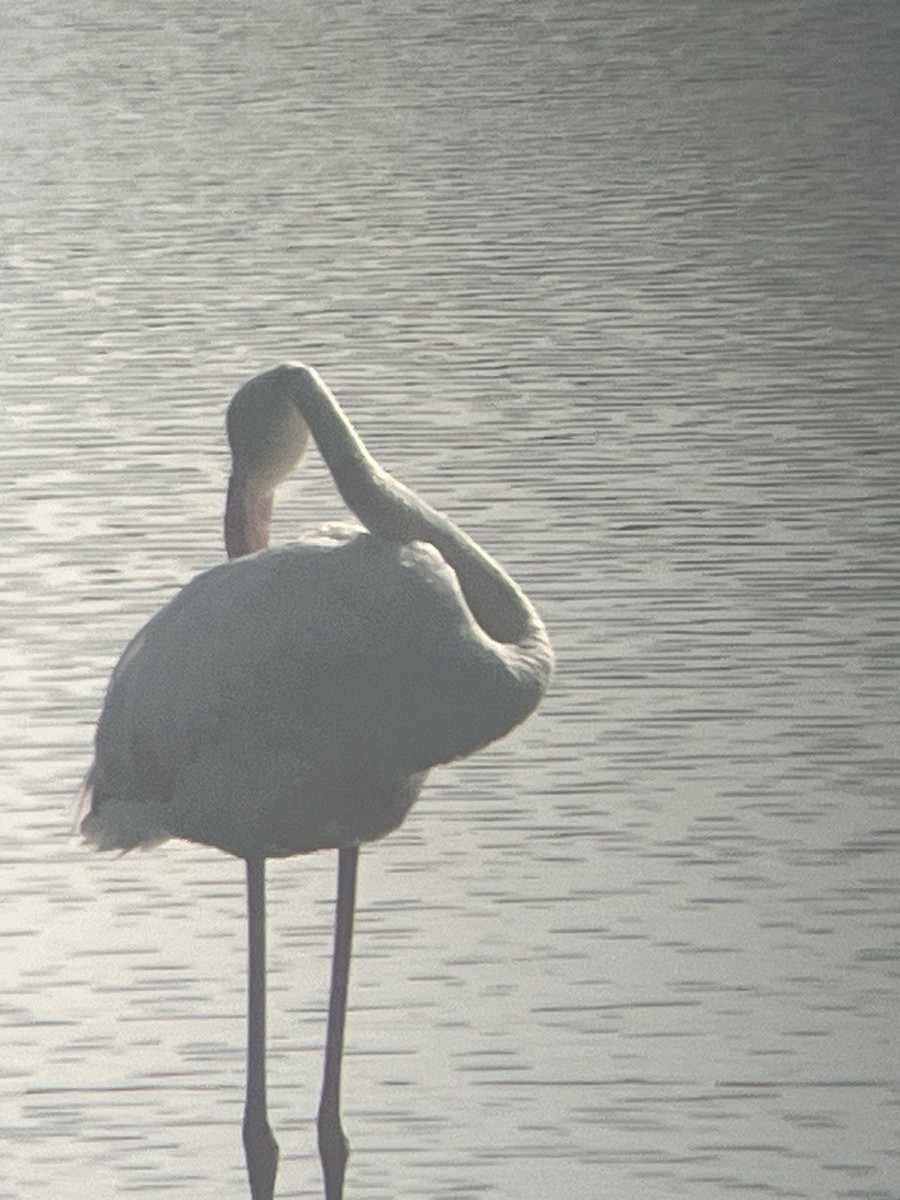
x: 615, y: 284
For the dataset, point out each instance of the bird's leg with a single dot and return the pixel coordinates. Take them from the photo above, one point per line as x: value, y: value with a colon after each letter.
x: 333, y: 1146
x: 260, y: 1147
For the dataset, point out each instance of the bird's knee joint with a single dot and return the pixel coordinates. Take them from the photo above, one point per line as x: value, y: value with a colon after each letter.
x: 261, y: 1153
x: 334, y: 1148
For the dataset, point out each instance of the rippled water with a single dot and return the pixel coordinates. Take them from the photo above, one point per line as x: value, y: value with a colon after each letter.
x: 615, y: 284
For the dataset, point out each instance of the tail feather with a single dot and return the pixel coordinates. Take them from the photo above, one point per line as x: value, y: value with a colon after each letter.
x: 116, y: 825
x: 84, y: 803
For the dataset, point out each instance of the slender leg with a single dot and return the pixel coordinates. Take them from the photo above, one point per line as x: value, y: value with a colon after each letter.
x: 260, y: 1147
x: 334, y: 1149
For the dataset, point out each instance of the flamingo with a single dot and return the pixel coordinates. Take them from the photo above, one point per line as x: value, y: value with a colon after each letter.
x: 295, y: 699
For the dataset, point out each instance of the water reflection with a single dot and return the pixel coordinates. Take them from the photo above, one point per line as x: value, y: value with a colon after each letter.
x: 616, y: 286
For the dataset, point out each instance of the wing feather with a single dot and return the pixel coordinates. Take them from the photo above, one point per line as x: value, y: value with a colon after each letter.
x: 356, y: 650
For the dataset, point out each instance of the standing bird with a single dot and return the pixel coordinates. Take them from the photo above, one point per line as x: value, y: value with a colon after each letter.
x: 295, y: 699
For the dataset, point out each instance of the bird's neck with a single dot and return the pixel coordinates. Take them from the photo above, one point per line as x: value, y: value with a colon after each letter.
x: 392, y: 511
x: 248, y: 515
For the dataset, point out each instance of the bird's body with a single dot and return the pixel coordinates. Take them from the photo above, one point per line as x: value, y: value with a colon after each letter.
x: 295, y: 699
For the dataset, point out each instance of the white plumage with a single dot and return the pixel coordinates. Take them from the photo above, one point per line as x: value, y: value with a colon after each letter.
x: 295, y: 699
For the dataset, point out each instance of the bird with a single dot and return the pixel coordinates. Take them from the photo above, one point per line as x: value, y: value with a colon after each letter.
x: 295, y: 698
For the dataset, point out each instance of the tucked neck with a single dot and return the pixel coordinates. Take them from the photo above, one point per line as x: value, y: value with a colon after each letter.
x: 248, y: 515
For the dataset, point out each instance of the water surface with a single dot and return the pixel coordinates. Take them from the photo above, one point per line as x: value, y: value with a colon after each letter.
x: 616, y: 285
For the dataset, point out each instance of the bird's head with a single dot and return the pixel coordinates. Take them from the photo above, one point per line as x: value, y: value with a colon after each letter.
x: 266, y: 432
x: 268, y: 436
